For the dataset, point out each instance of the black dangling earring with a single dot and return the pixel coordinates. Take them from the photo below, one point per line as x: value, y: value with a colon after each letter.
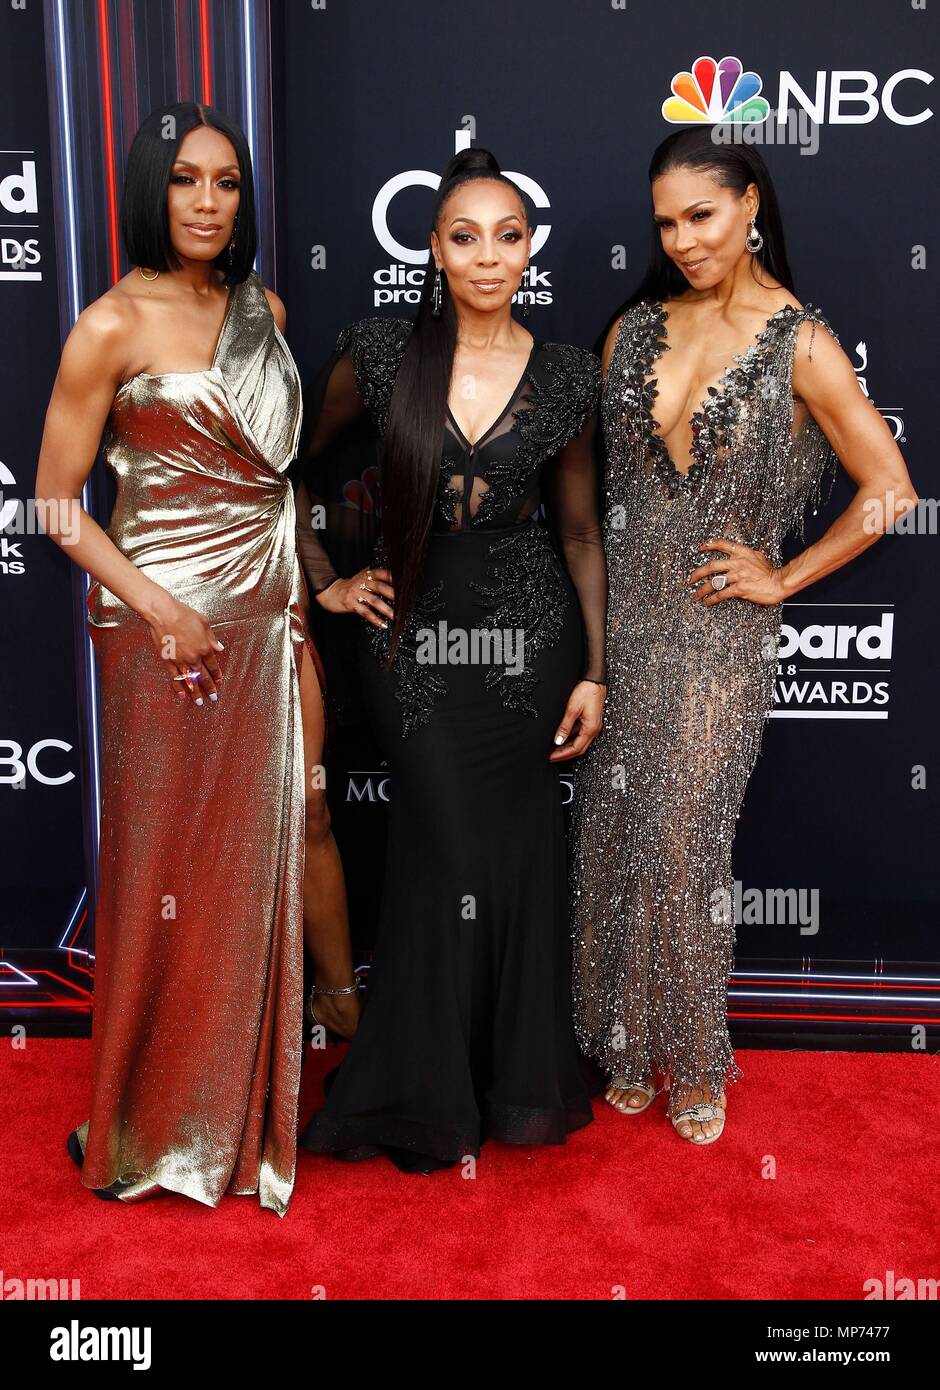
x: 524, y: 287
x: 436, y: 295
x: 231, y: 245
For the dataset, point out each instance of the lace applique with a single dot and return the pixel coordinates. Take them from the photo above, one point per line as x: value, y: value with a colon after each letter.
x: 418, y: 685
x: 561, y: 393
x: 526, y: 591
x: 715, y: 419
x: 505, y: 480
x: 375, y: 347
x: 448, y: 498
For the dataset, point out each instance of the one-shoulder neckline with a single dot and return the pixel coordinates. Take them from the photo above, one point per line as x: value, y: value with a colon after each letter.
x: 198, y: 371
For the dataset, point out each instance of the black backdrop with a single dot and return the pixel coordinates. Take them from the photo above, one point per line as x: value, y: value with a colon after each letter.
x: 569, y: 94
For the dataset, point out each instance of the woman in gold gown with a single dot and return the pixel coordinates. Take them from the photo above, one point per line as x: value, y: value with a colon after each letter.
x: 210, y: 685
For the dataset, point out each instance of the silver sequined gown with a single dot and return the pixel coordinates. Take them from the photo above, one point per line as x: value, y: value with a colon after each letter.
x: 658, y: 793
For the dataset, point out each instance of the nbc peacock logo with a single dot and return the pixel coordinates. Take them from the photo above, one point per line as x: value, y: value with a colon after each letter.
x: 716, y: 91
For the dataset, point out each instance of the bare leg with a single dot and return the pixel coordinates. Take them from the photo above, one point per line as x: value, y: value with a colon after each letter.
x: 326, y: 919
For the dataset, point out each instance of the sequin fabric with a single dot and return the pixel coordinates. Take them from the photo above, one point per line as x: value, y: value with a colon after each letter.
x: 658, y: 793
x: 197, y: 1036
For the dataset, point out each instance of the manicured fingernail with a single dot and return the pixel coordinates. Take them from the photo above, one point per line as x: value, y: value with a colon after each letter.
x: 559, y: 738
x: 199, y: 701
x: 213, y: 697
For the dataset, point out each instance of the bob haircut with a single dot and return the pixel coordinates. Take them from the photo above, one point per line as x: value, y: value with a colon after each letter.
x: 145, y: 224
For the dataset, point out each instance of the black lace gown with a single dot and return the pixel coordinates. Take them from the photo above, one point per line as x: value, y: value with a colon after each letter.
x: 467, y: 1030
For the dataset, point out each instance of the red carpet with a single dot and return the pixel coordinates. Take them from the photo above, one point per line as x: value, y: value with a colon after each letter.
x: 625, y: 1203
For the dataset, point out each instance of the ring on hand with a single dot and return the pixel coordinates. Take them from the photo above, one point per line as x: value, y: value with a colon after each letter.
x: 191, y: 675
x: 719, y: 581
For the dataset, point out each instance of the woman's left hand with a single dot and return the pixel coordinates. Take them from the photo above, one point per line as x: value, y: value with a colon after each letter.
x: 750, y: 575
x: 585, y: 708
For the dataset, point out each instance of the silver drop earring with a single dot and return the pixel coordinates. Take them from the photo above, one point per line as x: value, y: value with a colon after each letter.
x: 231, y: 245
x: 436, y: 295
x: 753, y: 241
x: 523, y: 287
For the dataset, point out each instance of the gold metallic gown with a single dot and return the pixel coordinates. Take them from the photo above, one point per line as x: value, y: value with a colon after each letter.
x: 197, y: 1035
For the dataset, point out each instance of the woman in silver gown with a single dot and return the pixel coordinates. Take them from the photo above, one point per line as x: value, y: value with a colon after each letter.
x: 691, y: 670
x: 210, y: 687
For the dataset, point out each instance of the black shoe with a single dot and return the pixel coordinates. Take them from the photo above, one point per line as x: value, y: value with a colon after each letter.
x: 407, y: 1162
x: 78, y: 1158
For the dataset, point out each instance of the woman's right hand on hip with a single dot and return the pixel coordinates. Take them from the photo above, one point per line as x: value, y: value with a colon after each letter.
x: 365, y: 593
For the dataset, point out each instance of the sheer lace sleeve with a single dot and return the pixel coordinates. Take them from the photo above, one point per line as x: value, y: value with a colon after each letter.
x: 350, y: 394
x: 572, y: 492
x: 333, y: 404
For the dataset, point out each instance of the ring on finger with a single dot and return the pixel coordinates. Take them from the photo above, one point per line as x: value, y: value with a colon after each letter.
x: 718, y: 581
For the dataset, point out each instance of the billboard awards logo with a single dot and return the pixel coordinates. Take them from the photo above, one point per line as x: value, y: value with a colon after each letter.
x: 399, y: 282
x: 838, y: 670
x: 833, y: 669
x: 721, y: 91
x: 19, y: 254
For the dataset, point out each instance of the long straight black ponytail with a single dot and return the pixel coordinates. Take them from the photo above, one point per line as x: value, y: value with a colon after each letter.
x: 411, y: 455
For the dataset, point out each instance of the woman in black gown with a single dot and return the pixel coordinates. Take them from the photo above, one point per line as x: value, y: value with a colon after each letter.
x: 467, y: 1031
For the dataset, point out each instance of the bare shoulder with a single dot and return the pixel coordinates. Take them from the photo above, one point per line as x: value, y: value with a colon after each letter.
x: 820, y: 365
x: 106, y: 328
x: 278, y: 310
x: 782, y: 299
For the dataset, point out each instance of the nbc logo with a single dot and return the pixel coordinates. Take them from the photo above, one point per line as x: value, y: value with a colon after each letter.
x: 716, y: 92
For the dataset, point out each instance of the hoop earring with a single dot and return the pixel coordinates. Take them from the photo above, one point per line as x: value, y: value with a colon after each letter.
x: 753, y: 241
x: 141, y: 271
x: 436, y: 295
x: 524, y: 287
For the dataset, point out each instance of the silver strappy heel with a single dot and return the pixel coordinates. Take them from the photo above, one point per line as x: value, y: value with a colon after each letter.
x: 621, y: 1083
x: 701, y: 1112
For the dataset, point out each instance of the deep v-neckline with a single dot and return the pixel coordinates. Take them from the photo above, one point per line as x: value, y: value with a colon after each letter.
x: 487, y: 432
x: 716, y: 392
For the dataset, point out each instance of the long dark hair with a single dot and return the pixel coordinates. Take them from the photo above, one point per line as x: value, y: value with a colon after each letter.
x: 411, y: 454
x: 734, y: 165
x: 145, y: 222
